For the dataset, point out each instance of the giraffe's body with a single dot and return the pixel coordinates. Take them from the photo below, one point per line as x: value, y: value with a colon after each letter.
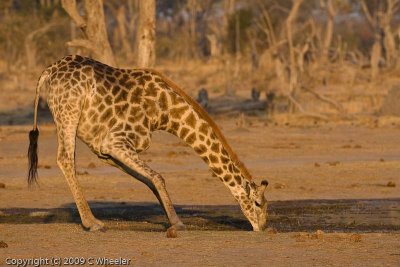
x: 114, y: 111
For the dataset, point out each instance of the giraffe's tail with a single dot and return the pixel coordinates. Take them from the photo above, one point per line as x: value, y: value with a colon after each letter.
x: 34, y: 134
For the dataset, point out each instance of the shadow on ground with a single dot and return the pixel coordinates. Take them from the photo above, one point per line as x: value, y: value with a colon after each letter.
x: 349, y: 215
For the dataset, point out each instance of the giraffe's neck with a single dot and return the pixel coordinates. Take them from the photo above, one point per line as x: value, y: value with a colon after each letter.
x: 183, y: 117
x: 199, y: 134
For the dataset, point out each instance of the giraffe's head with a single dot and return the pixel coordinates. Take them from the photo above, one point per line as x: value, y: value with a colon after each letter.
x: 256, y: 205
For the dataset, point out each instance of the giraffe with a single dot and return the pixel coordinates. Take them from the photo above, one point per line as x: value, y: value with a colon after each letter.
x: 114, y: 111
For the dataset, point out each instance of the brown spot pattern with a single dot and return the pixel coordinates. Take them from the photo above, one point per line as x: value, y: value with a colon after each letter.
x: 191, y: 138
x: 191, y: 120
x: 177, y: 113
x: 184, y: 131
x: 213, y: 158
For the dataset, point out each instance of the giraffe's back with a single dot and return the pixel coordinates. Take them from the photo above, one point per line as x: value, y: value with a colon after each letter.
x: 121, y: 102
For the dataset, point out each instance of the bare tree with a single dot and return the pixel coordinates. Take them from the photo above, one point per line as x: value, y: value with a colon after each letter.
x: 122, y: 29
x: 293, y: 76
x: 230, y: 69
x: 193, y: 7
x: 286, y: 55
x: 30, y: 46
x: 146, y: 35
x: 215, y: 47
x: 94, y: 28
x: 120, y: 33
x: 384, y: 44
x: 331, y: 12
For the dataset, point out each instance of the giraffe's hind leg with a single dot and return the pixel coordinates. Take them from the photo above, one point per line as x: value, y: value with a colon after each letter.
x: 66, y: 162
x: 66, y: 132
x: 127, y: 159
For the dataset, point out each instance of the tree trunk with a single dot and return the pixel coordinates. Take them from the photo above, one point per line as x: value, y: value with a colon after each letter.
x: 229, y: 10
x: 329, y: 30
x: 237, y: 45
x: 293, y: 77
x: 94, y: 27
x: 375, y: 58
x: 384, y: 44
x: 215, y: 50
x: 121, y: 18
x: 97, y: 32
x: 146, y: 34
x: 192, y: 28
x: 388, y: 39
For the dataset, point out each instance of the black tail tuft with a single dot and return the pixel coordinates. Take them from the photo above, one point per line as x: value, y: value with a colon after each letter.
x: 32, y: 156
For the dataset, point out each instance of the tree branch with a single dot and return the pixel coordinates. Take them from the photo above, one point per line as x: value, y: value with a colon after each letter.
x: 72, y: 10
x: 30, y: 48
x: 83, y: 43
x: 268, y: 25
x: 307, y: 113
x: 324, y: 99
x: 367, y: 13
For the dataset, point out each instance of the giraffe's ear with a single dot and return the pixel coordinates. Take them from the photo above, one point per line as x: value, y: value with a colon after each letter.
x: 263, y: 186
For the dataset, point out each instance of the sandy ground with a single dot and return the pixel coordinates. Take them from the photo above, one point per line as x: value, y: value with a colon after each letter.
x: 334, y: 200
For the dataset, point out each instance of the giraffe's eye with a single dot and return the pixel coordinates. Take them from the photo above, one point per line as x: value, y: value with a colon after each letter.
x: 257, y: 204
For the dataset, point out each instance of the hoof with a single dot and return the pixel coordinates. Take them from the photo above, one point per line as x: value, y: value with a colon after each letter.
x: 171, y: 232
x: 96, y: 226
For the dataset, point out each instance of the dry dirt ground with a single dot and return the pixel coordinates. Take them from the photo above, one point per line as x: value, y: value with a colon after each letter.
x: 334, y: 200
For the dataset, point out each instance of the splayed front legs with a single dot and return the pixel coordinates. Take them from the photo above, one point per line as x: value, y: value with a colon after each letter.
x: 127, y: 160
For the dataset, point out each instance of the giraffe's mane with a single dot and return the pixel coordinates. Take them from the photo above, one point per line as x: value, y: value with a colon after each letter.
x: 204, y: 115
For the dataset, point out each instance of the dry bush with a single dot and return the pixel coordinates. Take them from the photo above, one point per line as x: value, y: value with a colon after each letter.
x: 313, y: 63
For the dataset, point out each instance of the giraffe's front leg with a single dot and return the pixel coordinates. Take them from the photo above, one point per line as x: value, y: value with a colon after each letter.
x: 128, y: 160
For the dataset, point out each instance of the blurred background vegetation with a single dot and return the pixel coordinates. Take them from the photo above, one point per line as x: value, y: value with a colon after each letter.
x: 324, y: 58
